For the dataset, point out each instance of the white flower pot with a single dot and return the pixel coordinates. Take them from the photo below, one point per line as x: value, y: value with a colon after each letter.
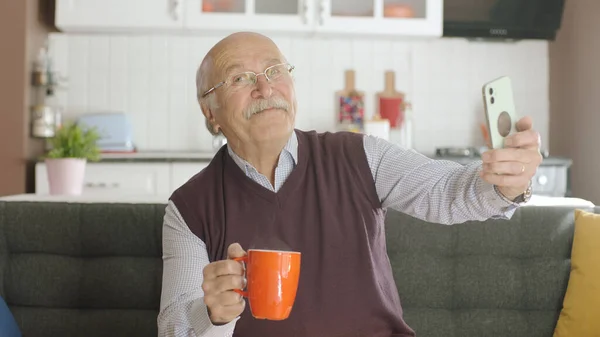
x: 65, y: 175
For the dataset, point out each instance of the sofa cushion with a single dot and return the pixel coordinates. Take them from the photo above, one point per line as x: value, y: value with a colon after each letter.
x: 581, y: 309
x: 492, y: 278
x: 8, y: 326
x: 82, y: 269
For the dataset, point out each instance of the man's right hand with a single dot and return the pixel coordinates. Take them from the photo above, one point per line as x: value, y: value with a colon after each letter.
x: 220, y: 278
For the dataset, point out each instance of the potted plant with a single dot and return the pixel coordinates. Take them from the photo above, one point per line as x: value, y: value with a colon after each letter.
x: 71, y: 148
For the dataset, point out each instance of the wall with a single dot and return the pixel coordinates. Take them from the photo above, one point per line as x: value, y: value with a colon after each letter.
x: 151, y: 78
x: 24, y: 27
x: 12, y: 95
x: 574, y: 88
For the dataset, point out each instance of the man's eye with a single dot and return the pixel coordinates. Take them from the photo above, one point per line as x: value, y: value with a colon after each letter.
x: 274, y: 72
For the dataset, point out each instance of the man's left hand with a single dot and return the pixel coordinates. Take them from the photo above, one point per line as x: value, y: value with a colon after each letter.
x: 512, y: 167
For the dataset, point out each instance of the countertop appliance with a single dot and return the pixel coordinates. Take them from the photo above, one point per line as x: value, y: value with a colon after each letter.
x: 115, y: 130
x: 503, y: 19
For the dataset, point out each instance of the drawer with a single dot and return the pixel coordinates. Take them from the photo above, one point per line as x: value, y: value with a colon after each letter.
x: 182, y: 172
x: 121, y: 178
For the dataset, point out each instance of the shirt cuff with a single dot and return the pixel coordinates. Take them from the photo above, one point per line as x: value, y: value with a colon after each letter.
x: 203, y: 327
x: 499, y: 205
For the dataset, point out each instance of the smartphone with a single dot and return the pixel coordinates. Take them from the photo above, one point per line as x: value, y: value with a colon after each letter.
x: 500, y: 112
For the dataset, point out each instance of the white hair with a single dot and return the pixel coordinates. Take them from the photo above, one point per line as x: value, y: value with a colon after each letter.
x: 209, y: 101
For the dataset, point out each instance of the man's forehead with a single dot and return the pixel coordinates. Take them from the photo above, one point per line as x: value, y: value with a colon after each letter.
x: 246, y: 55
x: 264, y: 63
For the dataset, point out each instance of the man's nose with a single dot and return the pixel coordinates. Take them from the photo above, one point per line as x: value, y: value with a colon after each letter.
x: 262, y: 88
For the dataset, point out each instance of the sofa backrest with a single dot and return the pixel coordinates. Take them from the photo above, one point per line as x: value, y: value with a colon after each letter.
x: 492, y: 278
x: 96, y: 269
x: 81, y: 269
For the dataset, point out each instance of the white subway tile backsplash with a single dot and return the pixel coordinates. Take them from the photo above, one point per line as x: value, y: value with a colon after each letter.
x: 99, y: 53
x: 152, y: 79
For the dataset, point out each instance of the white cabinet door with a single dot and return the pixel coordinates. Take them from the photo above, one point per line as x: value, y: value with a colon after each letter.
x: 116, y: 178
x: 411, y: 18
x: 267, y: 16
x: 119, y: 15
x: 182, y: 172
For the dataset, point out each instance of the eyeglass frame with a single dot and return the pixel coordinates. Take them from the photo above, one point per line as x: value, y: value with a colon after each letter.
x: 222, y: 83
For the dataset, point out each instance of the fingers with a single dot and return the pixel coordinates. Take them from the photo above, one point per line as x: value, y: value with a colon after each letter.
x: 235, y: 250
x: 511, y: 169
x: 221, y: 268
x: 511, y: 162
x: 222, y: 302
x: 223, y: 299
x: 505, y: 168
x: 524, y: 156
x: 529, y: 139
x: 525, y: 123
x: 223, y: 283
x: 220, y: 279
x: 225, y: 307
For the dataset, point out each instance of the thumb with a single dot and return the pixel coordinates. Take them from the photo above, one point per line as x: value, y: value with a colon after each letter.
x: 235, y: 250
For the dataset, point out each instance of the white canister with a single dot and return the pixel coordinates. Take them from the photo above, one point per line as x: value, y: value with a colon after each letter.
x: 378, y: 128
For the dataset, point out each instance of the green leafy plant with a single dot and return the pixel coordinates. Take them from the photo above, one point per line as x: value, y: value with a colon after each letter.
x: 73, y: 141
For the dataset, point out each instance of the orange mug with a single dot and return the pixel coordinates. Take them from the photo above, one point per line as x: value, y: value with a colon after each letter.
x: 272, y: 277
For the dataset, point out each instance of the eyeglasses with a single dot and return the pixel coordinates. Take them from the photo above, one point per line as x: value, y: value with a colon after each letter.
x: 272, y: 73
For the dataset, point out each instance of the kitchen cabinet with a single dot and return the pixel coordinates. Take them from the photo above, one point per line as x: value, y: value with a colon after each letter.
x: 418, y: 18
x: 182, y: 172
x: 116, y: 179
x: 255, y: 15
x: 137, y: 178
x: 119, y: 15
x: 381, y: 17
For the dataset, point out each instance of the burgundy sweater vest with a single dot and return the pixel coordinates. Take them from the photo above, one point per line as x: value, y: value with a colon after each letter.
x: 328, y: 209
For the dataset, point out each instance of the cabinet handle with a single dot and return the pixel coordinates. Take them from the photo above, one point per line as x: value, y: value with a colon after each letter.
x: 102, y: 185
x: 305, y: 9
x: 175, y: 9
x: 542, y: 180
x: 322, y: 11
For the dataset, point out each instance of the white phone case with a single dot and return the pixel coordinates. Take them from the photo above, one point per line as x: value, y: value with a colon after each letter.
x: 500, y: 110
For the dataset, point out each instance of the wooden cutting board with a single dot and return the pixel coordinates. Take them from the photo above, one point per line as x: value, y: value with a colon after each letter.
x: 391, y: 103
x: 351, y: 106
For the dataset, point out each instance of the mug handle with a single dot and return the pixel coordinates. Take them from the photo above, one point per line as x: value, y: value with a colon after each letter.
x: 245, y: 260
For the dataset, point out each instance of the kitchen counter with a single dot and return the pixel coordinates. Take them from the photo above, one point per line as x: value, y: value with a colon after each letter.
x: 183, y: 157
x: 536, y: 200
x: 156, y: 157
x: 549, y: 161
x: 89, y: 198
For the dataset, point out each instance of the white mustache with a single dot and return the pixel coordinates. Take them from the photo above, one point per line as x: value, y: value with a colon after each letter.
x: 264, y: 104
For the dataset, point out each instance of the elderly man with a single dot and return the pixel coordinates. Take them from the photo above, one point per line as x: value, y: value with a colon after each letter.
x: 324, y: 195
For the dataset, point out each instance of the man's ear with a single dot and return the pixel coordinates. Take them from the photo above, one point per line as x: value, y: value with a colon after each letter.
x: 209, y: 114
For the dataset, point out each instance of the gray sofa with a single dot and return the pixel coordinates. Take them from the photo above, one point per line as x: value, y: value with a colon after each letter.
x: 95, y: 270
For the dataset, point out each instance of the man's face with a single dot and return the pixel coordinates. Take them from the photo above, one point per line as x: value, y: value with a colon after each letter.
x: 253, y: 112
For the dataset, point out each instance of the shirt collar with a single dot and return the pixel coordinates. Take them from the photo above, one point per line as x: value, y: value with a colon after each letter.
x: 290, y: 148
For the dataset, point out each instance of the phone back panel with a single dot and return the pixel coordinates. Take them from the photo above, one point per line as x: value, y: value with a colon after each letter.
x: 500, y: 110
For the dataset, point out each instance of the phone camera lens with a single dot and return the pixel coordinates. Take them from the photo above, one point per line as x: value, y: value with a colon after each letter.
x: 492, y: 100
x: 491, y: 91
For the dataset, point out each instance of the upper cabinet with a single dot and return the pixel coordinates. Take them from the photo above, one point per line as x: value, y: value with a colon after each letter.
x: 381, y: 17
x: 255, y: 15
x: 119, y: 15
x: 418, y: 18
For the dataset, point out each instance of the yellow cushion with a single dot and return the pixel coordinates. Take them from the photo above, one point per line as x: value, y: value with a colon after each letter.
x: 580, y: 315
